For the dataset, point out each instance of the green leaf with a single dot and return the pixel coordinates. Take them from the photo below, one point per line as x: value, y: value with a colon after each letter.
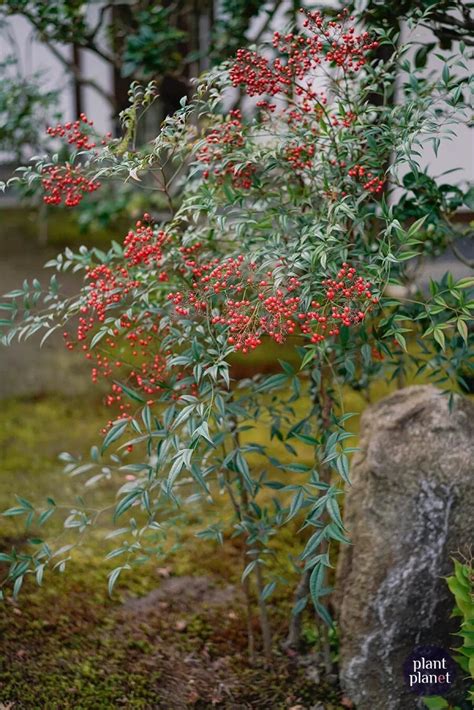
x: 17, y: 586
x: 299, y: 606
x: 43, y: 517
x: 242, y: 467
x: 296, y: 504
x: 272, y: 382
x: 248, y: 569
x: 438, y: 335
x: 132, y: 394
x: 323, y: 613
x: 39, y: 575
x: 203, y: 431
x: 146, y: 417
x: 465, y: 283
x: 305, y: 438
x: 268, y: 590
x: 98, y: 337
x: 435, y: 702
x: 113, y: 576
x: 333, y: 510
x: 14, y: 511
x: 25, y: 503
x: 114, y: 433
x: 184, y: 414
x: 316, y: 582
x: 197, y: 475
x: 309, y: 357
x: 287, y: 367
x: 127, y: 502
x: 342, y: 466
x: 421, y: 55
x: 462, y: 328
x: 334, y: 532
x: 401, y: 341
x: 313, y: 542
x: 462, y: 574
x: 181, y: 459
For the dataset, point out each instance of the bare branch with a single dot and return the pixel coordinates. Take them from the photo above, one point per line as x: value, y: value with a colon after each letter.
x: 79, y: 77
x: 460, y: 257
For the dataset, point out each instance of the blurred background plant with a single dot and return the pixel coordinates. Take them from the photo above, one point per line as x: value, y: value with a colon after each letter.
x: 25, y: 108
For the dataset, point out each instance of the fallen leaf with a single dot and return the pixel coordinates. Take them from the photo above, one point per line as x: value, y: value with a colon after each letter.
x: 193, y: 697
x: 164, y: 572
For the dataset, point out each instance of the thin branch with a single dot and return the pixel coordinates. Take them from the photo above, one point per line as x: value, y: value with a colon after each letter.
x: 264, y: 621
x: 293, y: 638
x: 264, y: 28
x: 460, y: 256
x: 100, y: 21
x: 76, y: 72
x: 70, y: 66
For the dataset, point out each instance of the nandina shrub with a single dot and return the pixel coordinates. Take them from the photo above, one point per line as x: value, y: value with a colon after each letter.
x: 282, y: 229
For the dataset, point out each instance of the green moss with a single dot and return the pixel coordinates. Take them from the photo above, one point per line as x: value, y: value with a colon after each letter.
x: 59, y: 226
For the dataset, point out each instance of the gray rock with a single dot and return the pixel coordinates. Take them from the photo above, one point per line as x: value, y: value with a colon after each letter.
x: 408, y: 511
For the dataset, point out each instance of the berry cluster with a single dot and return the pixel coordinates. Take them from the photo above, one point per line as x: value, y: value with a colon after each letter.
x: 228, y: 133
x: 66, y: 183
x: 74, y: 133
x: 248, y: 307
x: 106, y: 287
x: 257, y: 74
x: 232, y: 294
x: 128, y: 353
x: 347, y: 299
x: 330, y: 41
x: 143, y: 246
x: 346, y: 120
x: 241, y: 177
x: 300, y: 156
x: 221, y: 142
x: 107, y: 290
x: 131, y: 354
x: 376, y: 354
x: 370, y: 182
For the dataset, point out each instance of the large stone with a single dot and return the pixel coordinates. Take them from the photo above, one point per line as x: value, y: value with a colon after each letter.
x: 409, y: 509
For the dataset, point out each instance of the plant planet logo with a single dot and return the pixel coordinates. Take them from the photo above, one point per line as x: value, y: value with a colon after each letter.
x: 429, y: 670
